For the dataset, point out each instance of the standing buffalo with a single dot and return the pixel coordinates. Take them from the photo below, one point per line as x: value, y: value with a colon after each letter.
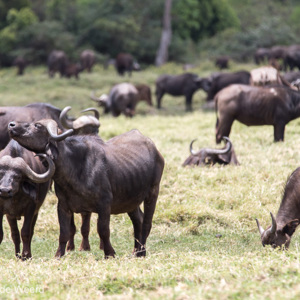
x: 261, y: 55
x: 207, y: 156
x: 87, y: 60
x: 72, y: 70
x: 57, y: 62
x: 144, y: 93
x: 114, y: 177
x: 125, y: 63
x: 122, y: 98
x: 180, y: 85
x: 222, y: 80
x: 28, y: 113
x: 222, y: 62
x: 251, y: 105
x: 20, y: 63
x: 288, y: 216
x: 292, y: 58
x: 24, y: 183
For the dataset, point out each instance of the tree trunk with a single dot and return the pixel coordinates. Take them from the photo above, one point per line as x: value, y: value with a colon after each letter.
x: 165, y: 40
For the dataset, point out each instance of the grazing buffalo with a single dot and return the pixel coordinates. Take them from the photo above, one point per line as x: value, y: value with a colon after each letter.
x: 222, y: 62
x: 180, y: 85
x: 24, y: 183
x: 87, y: 60
x: 57, y: 62
x: 222, y: 80
x: 144, y: 93
x: 125, y: 63
x: 122, y: 98
x: 28, y: 113
x: 251, y: 105
x: 72, y: 70
x: 288, y: 216
x: 207, y: 156
x: 112, y: 177
x: 20, y: 63
x: 261, y: 55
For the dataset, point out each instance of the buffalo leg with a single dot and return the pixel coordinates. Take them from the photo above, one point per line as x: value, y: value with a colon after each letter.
x: 188, y: 102
x: 64, y: 219
x: 15, y: 234
x: 85, y: 230
x: 71, y: 245
x: 279, y: 132
x: 137, y: 217
x: 159, y: 95
x: 1, y: 227
x: 223, y: 128
x: 104, y: 232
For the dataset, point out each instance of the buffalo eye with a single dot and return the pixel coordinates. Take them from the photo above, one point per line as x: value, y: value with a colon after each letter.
x: 37, y: 125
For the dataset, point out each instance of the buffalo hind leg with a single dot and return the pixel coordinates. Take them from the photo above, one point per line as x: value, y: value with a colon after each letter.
x: 1, y: 227
x: 137, y: 217
x: 223, y: 128
x: 71, y: 244
x: 15, y: 234
x: 85, y: 231
x: 279, y: 132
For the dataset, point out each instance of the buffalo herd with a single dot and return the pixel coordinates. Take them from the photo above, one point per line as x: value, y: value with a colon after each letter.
x: 73, y: 157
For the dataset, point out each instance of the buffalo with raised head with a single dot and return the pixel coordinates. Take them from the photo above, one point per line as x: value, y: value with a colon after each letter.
x: 125, y: 63
x: 208, y: 156
x: 114, y: 177
x: 87, y: 60
x: 279, y: 234
x: 24, y: 183
x: 122, y: 98
x: 251, y: 105
x: 180, y: 85
x: 57, y: 62
x: 222, y: 80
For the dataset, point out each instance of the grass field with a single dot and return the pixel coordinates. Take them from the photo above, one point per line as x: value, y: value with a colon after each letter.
x: 204, y: 243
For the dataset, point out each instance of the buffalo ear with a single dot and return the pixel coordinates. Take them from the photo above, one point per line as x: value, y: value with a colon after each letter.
x: 29, y: 189
x: 290, y: 227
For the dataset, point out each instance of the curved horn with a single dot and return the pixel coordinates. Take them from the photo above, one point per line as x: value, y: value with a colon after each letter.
x: 93, y: 97
x: 96, y: 112
x: 221, y: 151
x: 52, y: 130
x: 261, y: 230
x: 274, y: 224
x: 193, y: 152
x: 64, y: 120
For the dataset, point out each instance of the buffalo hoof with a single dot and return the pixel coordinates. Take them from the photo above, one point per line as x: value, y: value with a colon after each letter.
x: 70, y: 247
x: 85, y: 247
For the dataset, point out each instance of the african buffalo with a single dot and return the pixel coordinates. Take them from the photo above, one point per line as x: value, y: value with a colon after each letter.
x: 252, y: 105
x: 292, y: 58
x: 125, y: 63
x: 87, y: 60
x: 180, y: 85
x: 28, y: 113
x: 222, y: 62
x: 144, y: 93
x: 288, y: 216
x: 261, y: 55
x: 291, y: 76
x: 113, y: 177
x: 222, y: 80
x: 207, y: 156
x: 20, y: 63
x: 57, y: 62
x: 72, y: 70
x: 24, y: 183
x: 122, y: 98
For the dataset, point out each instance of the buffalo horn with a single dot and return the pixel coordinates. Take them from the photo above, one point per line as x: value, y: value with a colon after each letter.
x: 102, y: 100
x: 52, y: 130
x: 261, y: 230
x: 96, y: 112
x: 274, y: 224
x: 64, y: 120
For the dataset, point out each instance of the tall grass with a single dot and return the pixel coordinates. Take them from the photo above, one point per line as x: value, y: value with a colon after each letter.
x: 204, y: 243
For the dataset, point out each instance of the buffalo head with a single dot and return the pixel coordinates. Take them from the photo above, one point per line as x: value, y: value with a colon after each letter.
x: 277, y: 237
x: 203, y: 83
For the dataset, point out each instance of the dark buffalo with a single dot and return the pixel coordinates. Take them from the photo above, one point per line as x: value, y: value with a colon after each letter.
x: 292, y: 58
x: 180, y: 85
x: 122, y: 98
x: 288, y: 216
x: 222, y: 80
x: 24, y: 182
x: 57, y: 62
x: 87, y: 60
x: 278, y: 52
x: 144, y: 93
x: 125, y: 63
x: 114, y: 177
x: 72, y: 70
x: 20, y: 63
x: 28, y: 113
x: 261, y: 55
x: 222, y: 62
x: 251, y: 105
x: 207, y: 156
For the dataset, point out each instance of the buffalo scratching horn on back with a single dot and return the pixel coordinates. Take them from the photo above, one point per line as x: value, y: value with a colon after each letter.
x: 96, y: 112
x: 64, y: 120
x: 52, y: 130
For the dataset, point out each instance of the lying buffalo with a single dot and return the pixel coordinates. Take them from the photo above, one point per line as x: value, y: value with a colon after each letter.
x: 122, y: 98
x: 106, y: 178
x: 288, y: 216
x: 251, y: 105
x: 222, y: 80
x: 207, y: 156
x: 24, y: 183
x: 180, y: 85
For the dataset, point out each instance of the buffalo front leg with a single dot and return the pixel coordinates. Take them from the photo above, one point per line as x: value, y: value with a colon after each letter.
x: 159, y: 95
x: 279, y: 132
x: 85, y: 230
x: 15, y: 234
x: 223, y: 128
x: 71, y: 245
x: 1, y: 227
x: 188, y: 102
x: 137, y: 217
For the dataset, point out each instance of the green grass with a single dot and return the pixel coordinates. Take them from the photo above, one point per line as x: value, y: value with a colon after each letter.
x: 186, y: 257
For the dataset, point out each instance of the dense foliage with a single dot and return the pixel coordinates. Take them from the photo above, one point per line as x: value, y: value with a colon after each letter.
x: 32, y: 28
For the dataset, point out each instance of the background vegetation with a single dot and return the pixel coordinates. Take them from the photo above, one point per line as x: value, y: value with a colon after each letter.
x: 204, y: 243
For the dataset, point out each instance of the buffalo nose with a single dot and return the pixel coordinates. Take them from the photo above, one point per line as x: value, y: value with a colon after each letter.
x: 5, y: 192
x: 11, y: 124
